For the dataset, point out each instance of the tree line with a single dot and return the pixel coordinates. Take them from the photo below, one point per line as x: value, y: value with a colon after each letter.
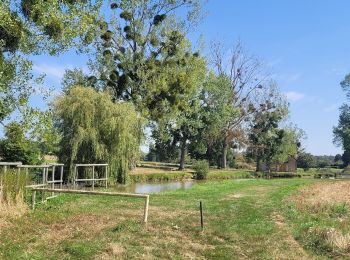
x: 143, y: 73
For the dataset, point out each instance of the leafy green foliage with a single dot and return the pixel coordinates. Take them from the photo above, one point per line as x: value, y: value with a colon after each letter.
x: 15, y: 147
x: 269, y: 142
x: 96, y: 130
x: 140, y: 56
x: 201, y: 169
x: 30, y: 27
x: 342, y: 132
x: 306, y: 161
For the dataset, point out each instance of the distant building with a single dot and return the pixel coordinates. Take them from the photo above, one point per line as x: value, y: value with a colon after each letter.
x: 290, y: 166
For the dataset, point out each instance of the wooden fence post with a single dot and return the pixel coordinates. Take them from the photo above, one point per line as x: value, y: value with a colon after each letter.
x: 201, y: 214
x: 33, y: 199
x: 146, y: 210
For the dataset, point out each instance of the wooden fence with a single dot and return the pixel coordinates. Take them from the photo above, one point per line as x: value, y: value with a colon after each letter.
x: 132, y: 195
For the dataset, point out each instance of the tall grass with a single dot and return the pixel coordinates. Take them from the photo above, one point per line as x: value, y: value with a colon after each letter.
x: 12, y: 191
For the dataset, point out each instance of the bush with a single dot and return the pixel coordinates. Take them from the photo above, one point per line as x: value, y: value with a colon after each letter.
x: 17, y: 148
x: 244, y: 166
x: 201, y: 169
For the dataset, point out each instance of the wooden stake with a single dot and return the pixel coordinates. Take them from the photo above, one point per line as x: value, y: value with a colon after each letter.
x: 146, y: 210
x: 201, y: 214
x: 33, y: 199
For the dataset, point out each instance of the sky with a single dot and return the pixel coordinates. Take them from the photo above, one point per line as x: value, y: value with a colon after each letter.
x: 304, y: 45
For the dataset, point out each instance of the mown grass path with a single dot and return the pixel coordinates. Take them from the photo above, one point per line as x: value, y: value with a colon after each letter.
x: 243, y: 220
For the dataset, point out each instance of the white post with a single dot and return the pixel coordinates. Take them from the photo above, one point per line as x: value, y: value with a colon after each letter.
x: 145, y: 216
x: 93, y: 177
x: 61, y: 177
x: 53, y: 179
x: 106, y: 177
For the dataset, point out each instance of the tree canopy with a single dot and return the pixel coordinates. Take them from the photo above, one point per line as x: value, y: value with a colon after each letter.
x: 29, y: 27
x: 96, y: 130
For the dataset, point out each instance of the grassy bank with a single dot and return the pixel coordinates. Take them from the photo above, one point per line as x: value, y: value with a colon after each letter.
x: 229, y: 174
x: 320, y: 218
x: 243, y: 219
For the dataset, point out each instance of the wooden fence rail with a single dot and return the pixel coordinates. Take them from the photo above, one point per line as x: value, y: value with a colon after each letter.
x: 132, y: 195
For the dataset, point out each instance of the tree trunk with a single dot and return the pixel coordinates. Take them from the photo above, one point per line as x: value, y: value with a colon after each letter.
x: 257, y: 164
x: 224, y: 155
x: 182, y: 155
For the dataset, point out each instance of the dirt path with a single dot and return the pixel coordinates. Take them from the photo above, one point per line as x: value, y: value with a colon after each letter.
x: 293, y: 245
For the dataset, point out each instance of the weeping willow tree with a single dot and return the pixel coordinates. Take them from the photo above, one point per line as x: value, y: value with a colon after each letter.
x: 96, y: 130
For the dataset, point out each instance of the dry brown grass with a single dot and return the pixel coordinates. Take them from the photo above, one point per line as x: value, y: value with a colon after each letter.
x: 289, y: 239
x: 10, y: 210
x: 338, y: 240
x: 323, y: 193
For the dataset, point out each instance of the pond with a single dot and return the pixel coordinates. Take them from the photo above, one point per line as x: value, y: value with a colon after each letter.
x: 155, y: 187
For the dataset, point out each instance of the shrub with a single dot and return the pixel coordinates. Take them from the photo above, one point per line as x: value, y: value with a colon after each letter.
x: 201, y: 169
x: 16, y: 147
x: 244, y: 165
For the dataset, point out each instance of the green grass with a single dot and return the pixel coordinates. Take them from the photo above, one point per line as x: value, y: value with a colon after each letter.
x: 241, y: 221
x: 229, y: 174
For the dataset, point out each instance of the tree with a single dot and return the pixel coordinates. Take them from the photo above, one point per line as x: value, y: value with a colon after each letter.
x: 218, y: 114
x: 269, y: 142
x: 337, y: 158
x: 17, y: 148
x: 246, y: 79
x: 306, y: 161
x: 96, y: 130
x: 29, y: 27
x: 265, y: 135
x: 341, y: 132
x: 140, y: 54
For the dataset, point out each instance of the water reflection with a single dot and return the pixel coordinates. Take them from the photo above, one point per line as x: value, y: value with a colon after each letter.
x: 156, y: 187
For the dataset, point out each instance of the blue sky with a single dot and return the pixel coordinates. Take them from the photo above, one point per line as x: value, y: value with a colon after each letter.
x: 304, y: 44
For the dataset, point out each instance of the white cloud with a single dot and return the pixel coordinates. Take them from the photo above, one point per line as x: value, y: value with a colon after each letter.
x: 294, y: 96
x: 53, y: 71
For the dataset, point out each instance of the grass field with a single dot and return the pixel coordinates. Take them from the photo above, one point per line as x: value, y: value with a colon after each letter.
x: 244, y: 219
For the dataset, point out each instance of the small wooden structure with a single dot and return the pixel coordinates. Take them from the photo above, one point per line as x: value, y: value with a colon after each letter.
x: 93, y: 179
x: 132, y: 195
x: 289, y: 166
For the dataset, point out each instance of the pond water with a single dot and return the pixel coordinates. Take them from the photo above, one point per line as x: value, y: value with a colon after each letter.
x: 156, y: 186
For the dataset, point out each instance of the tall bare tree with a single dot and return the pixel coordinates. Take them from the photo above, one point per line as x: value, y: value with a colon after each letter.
x: 248, y: 82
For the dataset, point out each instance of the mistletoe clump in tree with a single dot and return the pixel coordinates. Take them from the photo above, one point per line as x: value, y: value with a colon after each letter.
x: 248, y: 84
x: 140, y: 54
x: 268, y: 141
x: 32, y: 27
